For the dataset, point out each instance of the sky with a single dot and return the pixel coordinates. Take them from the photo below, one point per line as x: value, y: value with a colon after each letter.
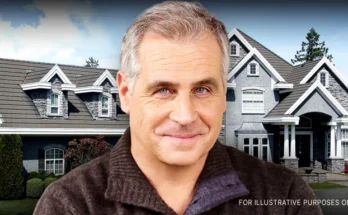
x: 69, y: 32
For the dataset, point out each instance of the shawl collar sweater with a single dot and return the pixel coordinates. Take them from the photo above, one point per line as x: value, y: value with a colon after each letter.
x: 231, y: 182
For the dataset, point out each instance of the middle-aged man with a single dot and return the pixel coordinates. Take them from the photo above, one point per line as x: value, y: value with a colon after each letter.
x: 172, y: 83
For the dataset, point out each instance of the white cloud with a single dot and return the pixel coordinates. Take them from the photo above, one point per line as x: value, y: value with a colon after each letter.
x: 56, y: 39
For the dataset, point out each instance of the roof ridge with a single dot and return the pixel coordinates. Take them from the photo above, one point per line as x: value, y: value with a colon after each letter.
x: 47, y: 63
x: 266, y: 48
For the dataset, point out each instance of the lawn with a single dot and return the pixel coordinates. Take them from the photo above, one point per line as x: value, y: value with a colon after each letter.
x: 18, y: 207
x: 325, y: 185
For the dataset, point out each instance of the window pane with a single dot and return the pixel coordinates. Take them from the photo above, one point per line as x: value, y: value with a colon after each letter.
x: 345, y: 150
x: 256, y: 151
x: 252, y: 68
x: 264, y: 141
x: 59, y: 153
x: 54, y: 110
x: 54, y: 100
x: 105, y: 111
x: 50, y: 154
x: 233, y: 49
x: 255, y: 141
x: 323, y: 79
x: 264, y: 153
x: 246, y: 141
x: 246, y: 149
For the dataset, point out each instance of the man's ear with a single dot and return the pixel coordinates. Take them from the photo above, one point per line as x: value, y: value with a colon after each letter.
x: 123, y: 91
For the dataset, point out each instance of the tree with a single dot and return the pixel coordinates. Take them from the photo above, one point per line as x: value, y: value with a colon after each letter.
x: 312, y: 49
x: 85, y: 150
x: 91, y: 62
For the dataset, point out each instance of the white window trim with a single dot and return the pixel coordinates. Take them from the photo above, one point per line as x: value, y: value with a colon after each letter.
x: 326, y: 78
x: 263, y: 101
x: 60, y: 98
x: 109, y: 105
x: 50, y: 159
x: 257, y: 68
x: 259, y: 147
x: 237, y: 48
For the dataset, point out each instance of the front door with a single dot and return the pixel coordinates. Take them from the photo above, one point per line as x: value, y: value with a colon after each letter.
x: 303, y: 152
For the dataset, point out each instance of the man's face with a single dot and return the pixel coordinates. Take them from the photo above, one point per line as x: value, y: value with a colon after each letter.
x: 178, y: 99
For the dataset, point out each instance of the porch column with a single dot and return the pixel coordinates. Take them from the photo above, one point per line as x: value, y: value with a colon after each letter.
x: 339, y: 142
x: 293, y: 142
x: 286, y: 141
x: 332, y: 142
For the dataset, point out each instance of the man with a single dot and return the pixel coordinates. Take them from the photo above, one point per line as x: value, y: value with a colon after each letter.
x: 172, y: 83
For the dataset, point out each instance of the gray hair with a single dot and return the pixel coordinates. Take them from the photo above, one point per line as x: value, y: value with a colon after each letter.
x: 174, y: 21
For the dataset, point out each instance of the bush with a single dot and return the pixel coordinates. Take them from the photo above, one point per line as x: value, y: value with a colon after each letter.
x: 41, y: 175
x: 11, y: 171
x: 48, y: 181
x: 35, y: 188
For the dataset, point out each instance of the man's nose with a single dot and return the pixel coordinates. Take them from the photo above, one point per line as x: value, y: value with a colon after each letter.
x: 184, y: 111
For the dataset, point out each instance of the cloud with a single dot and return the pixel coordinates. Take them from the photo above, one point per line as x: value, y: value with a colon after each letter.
x: 57, y: 38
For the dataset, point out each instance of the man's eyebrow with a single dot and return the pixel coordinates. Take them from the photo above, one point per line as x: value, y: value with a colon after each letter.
x: 168, y: 84
x: 208, y: 81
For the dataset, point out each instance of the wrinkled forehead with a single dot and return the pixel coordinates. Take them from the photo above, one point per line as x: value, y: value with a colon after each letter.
x: 158, y: 52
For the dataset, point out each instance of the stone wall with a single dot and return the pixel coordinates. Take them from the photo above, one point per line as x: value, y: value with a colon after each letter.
x: 335, y: 165
x: 314, y: 177
x: 291, y: 163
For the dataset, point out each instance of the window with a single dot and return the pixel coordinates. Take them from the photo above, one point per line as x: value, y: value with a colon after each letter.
x: 105, y: 105
x: 345, y: 150
x: 344, y: 134
x: 305, y: 122
x: 259, y: 148
x: 54, y: 161
x: 328, y: 142
x: 54, y: 103
x: 252, y: 101
x: 323, y: 78
x: 234, y: 49
x: 253, y: 69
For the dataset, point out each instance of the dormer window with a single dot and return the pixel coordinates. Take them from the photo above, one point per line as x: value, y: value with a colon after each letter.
x: 234, y: 49
x: 54, y: 103
x: 323, y: 78
x: 253, y: 69
x: 105, y: 106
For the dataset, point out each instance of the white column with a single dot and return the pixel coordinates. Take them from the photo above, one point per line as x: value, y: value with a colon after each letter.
x: 332, y: 142
x: 339, y: 142
x: 293, y: 142
x: 286, y: 141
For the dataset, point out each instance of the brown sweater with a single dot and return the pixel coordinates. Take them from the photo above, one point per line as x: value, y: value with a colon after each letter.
x: 231, y: 182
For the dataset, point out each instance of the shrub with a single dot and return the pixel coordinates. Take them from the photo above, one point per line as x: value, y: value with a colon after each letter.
x: 11, y: 171
x: 85, y: 150
x: 346, y: 164
x: 48, y: 181
x: 35, y: 188
x: 42, y: 175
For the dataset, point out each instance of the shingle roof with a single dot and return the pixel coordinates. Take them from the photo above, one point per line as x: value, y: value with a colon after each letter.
x: 282, y: 66
x: 285, y: 104
x: 300, y: 71
x: 18, y: 110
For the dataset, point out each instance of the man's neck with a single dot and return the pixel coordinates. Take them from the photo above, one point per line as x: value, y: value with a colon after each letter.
x: 174, y: 184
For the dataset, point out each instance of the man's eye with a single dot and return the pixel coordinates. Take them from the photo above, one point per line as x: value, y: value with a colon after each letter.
x: 162, y: 91
x: 202, y: 90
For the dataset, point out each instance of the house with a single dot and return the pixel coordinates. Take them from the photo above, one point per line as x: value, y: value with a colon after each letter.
x: 295, y: 115
x: 49, y: 105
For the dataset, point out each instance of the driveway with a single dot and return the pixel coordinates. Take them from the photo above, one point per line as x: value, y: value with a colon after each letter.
x: 339, y: 196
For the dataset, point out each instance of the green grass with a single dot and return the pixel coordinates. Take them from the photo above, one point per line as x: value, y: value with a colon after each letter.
x: 18, y: 207
x: 325, y: 185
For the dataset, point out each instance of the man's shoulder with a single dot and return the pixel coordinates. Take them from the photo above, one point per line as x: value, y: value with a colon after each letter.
x: 90, y: 176
x: 252, y: 169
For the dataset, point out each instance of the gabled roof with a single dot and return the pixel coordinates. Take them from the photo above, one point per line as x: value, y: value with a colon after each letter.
x: 279, y: 64
x: 324, y: 61
x: 300, y: 71
x: 299, y: 95
x: 19, y: 114
x: 255, y: 53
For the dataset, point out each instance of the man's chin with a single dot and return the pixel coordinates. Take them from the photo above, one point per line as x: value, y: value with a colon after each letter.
x: 180, y: 158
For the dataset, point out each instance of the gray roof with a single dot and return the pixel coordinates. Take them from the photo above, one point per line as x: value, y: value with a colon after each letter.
x: 280, y: 65
x: 300, y: 71
x: 18, y: 110
x: 252, y: 128
x: 280, y: 109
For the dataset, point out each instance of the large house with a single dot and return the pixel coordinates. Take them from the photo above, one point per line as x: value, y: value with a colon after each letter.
x: 295, y: 115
